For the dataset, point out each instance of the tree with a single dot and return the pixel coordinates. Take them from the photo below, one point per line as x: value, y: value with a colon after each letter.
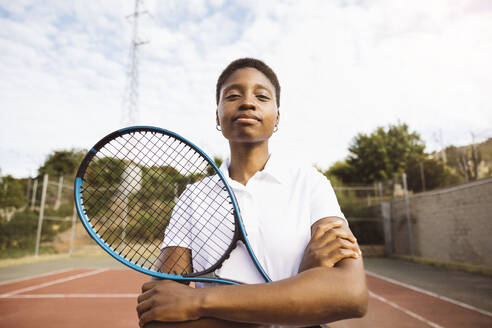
x: 388, y: 152
x: 218, y: 161
x: 382, y: 154
x: 12, y: 192
x: 436, y: 174
x: 62, y: 162
x: 465, y: 160
x: 342, y: 171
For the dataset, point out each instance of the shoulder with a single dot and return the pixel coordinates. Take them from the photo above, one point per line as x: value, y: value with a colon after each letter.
x: 209, y: 185
x: 303, y: 172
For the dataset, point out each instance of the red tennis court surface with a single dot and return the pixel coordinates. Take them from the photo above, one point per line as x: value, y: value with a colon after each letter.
x: 107, y: 298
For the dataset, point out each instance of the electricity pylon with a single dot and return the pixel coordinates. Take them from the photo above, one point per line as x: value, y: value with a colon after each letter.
x: 130, y: 98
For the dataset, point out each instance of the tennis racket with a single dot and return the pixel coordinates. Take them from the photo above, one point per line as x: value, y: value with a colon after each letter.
x: 158, y: 204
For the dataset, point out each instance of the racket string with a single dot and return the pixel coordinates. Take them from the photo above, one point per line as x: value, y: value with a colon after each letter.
x: 225, y: 242
x: 145, y: 157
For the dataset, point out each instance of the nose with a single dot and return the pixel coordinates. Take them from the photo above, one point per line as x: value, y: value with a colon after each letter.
x: 248, y: 103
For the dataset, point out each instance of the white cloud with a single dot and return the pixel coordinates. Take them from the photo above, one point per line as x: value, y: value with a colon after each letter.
x: 345, y: 67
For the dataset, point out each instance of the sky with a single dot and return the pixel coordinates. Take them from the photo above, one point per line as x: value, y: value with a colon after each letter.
x: 345, y: 67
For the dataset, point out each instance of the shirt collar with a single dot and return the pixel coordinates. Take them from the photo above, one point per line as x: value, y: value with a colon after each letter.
x: 273, y: 169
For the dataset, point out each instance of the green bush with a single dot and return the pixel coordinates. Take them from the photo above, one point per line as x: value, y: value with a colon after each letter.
x: 65, y: 210
x: 351, y: 204
x: 12, y: 193
x: 20, y: 232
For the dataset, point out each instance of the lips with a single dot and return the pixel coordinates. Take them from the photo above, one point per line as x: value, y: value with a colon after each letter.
x: 246, y: 117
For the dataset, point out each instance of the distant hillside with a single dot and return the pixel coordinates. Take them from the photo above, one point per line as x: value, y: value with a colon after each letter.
x: 463, y: 159
x: 485, y: 149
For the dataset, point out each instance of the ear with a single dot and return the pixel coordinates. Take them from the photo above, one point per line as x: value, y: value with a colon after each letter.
x: 217, y: 116
x: 278, y: 117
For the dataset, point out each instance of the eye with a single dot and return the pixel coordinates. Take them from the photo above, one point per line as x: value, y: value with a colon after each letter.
x: 232, y: 96
x: 263, y: 97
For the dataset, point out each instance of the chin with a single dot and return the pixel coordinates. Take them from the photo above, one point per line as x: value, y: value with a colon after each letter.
x: 243, y: 138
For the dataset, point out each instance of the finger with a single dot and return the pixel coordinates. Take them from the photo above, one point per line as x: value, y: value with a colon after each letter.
x: 149, y: 285
x: 323, y: 227
x: 144, y: 296
x: 343, y: 253
x: 332, y: 235
x: 338, y: 255
x: 344, y: 233
x: 344, y: 243
x: 338, y: 243
x: 347, y: 233
x: 144, y: 306
x: 146, y: 317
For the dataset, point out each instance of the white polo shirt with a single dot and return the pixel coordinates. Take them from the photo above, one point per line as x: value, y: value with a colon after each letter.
x: 278, y: 205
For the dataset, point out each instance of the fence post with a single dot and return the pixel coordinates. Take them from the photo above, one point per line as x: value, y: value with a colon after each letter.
x: 388, y: 237
x: 41, y: 214
x: 407, y: 210
x: 72, y: 235
x: 28, y: 189
x: 34, y: 191
x: 58, y: 196
x: 422, y: 175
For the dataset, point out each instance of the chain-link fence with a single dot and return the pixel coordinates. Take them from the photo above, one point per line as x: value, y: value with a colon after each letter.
x: 37, y: 216
x: 359, y: 205
x: 363, y: 207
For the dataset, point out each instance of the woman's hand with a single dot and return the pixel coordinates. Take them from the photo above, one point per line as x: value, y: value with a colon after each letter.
x: 168, y: 301
x: 331, y: 241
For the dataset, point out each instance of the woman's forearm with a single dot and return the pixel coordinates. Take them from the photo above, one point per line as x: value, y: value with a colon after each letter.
x: 201, y: 323
x: 314, y: 296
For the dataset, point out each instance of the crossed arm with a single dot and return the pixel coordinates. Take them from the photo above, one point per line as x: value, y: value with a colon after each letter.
x: 330, y: 286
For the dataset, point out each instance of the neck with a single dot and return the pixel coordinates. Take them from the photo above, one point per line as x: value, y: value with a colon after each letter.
x: 246, y: 160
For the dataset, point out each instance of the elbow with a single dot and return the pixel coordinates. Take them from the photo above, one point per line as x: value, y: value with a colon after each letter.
x: 359, y: 308
x: 352, y: 304
x: 358, y: 302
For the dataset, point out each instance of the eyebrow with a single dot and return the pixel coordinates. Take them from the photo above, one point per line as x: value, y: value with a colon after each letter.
x: 241, y: 87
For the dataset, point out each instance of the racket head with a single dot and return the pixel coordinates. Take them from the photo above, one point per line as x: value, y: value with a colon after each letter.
x: 117, y: 175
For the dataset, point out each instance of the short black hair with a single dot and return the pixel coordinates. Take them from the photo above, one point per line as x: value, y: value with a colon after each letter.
x: 244, y: 63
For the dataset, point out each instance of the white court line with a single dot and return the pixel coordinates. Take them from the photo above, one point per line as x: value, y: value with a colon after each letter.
x: 27, y: 289
x: 73, y: 296
x: 408, y: 312
x: 423, y: 291
x: 34, y: 277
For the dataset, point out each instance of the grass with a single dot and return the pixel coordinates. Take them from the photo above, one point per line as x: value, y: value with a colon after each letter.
x: 14, y: 253
x: 47, y: 256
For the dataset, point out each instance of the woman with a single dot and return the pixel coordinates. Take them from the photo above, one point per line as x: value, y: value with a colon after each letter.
x: 293, y: 221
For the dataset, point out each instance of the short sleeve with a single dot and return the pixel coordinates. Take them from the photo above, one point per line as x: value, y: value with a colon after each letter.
x: 179, y: 223
x: 324, y: 202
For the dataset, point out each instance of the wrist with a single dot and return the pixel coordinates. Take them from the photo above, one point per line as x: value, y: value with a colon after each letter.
x: 204, y: 302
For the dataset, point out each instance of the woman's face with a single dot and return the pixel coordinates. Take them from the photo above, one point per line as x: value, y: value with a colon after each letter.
x: 247, y: 110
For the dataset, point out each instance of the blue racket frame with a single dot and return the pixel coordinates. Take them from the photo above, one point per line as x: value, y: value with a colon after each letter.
x: 87, y: 225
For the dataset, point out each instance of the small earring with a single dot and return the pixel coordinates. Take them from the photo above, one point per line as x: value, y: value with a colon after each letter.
x: 275, y: 129
x: 217, y: 127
